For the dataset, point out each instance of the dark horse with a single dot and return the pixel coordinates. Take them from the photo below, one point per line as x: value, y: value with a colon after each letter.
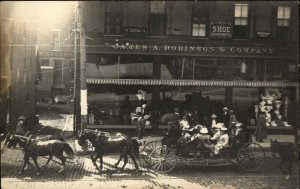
x: 33, y: 149
x: 287, y: 153
x: 105, y: 142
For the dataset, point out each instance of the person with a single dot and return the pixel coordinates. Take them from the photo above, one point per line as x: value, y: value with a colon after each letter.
x: 20, y: 128
x: 125, y: 110
x: 141, y: 123
x: 221, y: 141
x: 184, y: 124
x: 202, y: 137
x: 225, y: 118
x: 241, y: 134
x: 261, y: 131
x: 232, y: 121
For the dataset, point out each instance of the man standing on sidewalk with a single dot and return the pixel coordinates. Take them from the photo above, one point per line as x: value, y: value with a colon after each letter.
x: 20, y: 128
x: 141, y: 123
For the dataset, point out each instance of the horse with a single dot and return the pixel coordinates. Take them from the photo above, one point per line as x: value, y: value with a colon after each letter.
x: 287, y: 153
x: 32, y: 149
x: 114, y: 142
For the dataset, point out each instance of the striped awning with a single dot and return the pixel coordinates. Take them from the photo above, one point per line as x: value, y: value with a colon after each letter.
x: 196, y: 83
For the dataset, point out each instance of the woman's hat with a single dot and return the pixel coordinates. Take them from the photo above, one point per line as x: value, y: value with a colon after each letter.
x: 238, y: 124
x: 223, y: 129
x: 225, y: 108
x: 21, y: 118
x: 203, y: 130
x: 214, y: 116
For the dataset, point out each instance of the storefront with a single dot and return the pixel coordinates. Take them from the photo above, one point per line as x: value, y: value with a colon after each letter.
x: 193, y: 77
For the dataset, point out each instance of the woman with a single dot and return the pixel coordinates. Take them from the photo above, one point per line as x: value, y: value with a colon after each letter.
x: 261, y: 131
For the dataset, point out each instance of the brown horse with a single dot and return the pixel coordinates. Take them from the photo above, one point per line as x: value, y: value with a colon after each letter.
x: 105, y: 142
x: 287, y: 153
x: 32, y: 149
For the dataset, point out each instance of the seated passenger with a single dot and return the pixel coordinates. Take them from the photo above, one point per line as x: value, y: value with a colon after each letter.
x: 241, y: 134
x: 221, y: 141
x: 203, y: 138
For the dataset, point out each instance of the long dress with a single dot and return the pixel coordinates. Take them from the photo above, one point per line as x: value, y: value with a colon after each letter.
x: 261, y: 131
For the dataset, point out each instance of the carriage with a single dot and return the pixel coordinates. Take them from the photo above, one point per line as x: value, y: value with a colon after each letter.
x: 248, y: 156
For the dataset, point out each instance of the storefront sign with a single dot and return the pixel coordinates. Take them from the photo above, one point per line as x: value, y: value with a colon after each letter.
x: 263, y: 34
x: 221, y: 30
x: 134, y: 30
x: 58, y: 54
x: 205, y: 50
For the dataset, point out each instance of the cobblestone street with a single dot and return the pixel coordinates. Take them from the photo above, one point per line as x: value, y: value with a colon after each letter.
x: 183, y: 176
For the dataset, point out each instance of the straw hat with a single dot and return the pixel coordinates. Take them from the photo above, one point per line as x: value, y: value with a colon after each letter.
x: 214, y: 116
x: 21, y: 118
x: 225, y: 108
x: 238, y: 124
x: 203, y: 130
x: 223, y: 129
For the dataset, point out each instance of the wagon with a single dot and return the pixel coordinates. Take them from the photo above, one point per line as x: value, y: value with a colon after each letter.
x: 249, y: 156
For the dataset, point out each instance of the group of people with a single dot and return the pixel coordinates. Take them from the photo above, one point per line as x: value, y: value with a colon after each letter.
x: 216, y: 135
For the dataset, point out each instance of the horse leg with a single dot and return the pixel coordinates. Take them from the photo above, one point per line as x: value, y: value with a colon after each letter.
x: 134, y: 160
x: 281, y: 168
x: 125, y: 161
x: 290, y: 171
x: 101, y: 163
x: 26, y: 160
x: 50, y: 157
x: 63, y: 161
x: 121, y: 157
x: 36, y: 164
x: 95, y: 160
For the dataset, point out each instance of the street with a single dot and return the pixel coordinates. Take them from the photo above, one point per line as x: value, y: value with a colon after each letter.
x: 183, y: 176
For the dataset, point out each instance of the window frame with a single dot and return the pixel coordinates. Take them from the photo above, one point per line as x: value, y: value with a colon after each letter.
x: 54, y: 41
x: 115, y: 14
x: 205, y: 17
x: 241, y: 27
x: 161, y: 15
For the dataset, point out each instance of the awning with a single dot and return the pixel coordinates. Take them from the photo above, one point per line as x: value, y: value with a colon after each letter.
x: 196, y: 83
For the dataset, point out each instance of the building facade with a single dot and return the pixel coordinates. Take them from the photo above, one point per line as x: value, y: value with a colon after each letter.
x: 194, y: 56
x: 56, y: 58
x: 19, y: 67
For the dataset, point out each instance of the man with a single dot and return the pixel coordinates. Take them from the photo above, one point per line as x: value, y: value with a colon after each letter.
x: 221, y: 141
x: 202, y: 137
x: 125, y: 110
x: 241, y: 135
x: 141, y: 123
x: 226, y: 117
x: 20, y: 128
x: 232, y: 121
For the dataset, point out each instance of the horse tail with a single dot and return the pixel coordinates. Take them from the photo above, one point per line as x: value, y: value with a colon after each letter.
x: 135, y: 148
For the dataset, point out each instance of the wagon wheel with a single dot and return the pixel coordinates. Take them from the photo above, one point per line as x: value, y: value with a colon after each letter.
x: 148, y: 148
x: 162, y: 159
x: 251, y: 157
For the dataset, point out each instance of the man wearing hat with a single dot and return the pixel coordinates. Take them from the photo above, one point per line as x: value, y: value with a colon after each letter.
x: 20, y: 128
x: 203, y: 138
x: 241, y: 135
x: 226, y: 116
x: 141, y: 123
x: 221, y: 141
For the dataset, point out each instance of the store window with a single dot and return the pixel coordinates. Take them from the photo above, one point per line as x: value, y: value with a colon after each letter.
x: 58, y: 73
x: 199, y: 19
x: 157, y: 18
x: 276, y: 103
x: 200, y: 102
x: 113, y: 20
x: 118, y: 105
x: 241, y: 27
x: 192, y: 68
x: 283, y: 22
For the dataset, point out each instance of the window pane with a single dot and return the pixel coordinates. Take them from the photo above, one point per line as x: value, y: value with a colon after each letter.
x: 287, y: 12
x: 195, y: 32
x: 245, y: 11
x: 237, y: 21
x: 196, y: 25
x: 202, y: 31
x: 238, y: 10
x: 244, y: 21
x: 280, y: 12
x: 285, y: 22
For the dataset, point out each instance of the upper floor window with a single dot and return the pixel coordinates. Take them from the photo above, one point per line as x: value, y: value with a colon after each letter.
x: 199, y: 20
x: 241, y: 21
x: 283, y: 22
x: 56, y: 40
x: 157, y: 18
x: 113, y: 19
x: 283, y: 16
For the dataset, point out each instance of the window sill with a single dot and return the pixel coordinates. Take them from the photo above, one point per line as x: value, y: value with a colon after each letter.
x: 113, y: 35
x: 158, y: 37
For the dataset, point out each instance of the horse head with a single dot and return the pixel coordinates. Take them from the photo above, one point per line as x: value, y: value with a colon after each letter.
x: 11, y: 141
